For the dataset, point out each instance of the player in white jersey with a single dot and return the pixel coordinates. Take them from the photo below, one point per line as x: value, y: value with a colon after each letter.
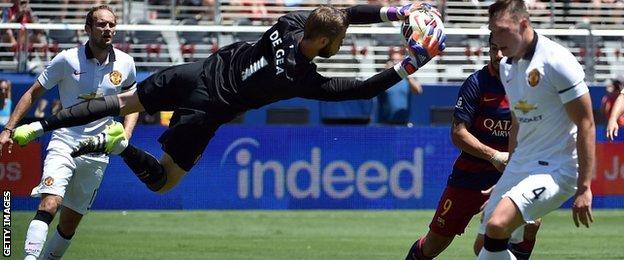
x: 84, y: 72
x: 552, y: 140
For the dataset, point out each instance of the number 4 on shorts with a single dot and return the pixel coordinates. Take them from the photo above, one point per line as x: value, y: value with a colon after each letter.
x: 537, y: 192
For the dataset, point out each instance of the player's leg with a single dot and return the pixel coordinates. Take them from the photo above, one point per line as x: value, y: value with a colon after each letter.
x: 158, y: 176
x: 90, y: 110
x: 38, y: 227
x: 144, y: 165
x: 183, y: 143
x: 478, y: 244
x: 189, y: 131
x: 429, y: 246
x: 505, y: 218
x: 523, y: 249
x: 57, y: 172
x: 80, y: 114
x: 455, y: 209
x: 173, y: 172
x: 161, y: 91
x: 483, y: 242
x: 80, y: 194
x: 62, y: 236
x: 534, y: 196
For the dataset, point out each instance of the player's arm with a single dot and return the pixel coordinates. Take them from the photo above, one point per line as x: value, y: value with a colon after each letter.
x: 130, y: 120
x: 339, y: 89
x: 23, y: 105
x: 467, y: 142
x: 580, y: 112
x: 366, y: 14
x: 466, y: 108
x: 51, y: 75
x: 567, y: 77
x: 334, y: 89
x: 616, y: 112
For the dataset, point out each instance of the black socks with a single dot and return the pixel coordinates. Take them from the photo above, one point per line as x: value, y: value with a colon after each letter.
x: 145, y: 166
x: 83, y: 113
x: 44, y: 216
x: 495, y: 245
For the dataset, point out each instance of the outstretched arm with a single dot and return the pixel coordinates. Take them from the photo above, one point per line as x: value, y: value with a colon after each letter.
x: 366, y: 14
x: 335, y: 89
x: 338, y: 89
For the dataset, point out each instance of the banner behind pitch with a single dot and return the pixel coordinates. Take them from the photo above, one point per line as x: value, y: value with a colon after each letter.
x: 298, y: 168
x: 267, y: 167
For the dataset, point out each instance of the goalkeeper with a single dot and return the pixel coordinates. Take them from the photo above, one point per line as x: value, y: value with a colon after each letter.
x: 238, y: 77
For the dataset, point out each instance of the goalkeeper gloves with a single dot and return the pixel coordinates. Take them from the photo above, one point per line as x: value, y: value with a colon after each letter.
x: 421, y: 53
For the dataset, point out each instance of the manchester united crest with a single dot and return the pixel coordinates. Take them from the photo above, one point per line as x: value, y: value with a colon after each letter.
x: 533, y: 78
x: 48, y: 181
x: 115, y: 77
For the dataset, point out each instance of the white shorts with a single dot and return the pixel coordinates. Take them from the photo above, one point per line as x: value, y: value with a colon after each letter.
x: 535, y: 195
x: 75, y: 179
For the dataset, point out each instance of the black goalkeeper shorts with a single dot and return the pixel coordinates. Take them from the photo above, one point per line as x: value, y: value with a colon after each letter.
x: 196, y: 116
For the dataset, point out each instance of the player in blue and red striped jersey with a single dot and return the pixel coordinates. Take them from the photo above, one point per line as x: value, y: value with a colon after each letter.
x: 481, y: 124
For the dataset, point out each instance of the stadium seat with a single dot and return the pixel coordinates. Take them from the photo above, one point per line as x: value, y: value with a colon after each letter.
x: 189, y: 41
x: 121, y: 41
x: 246, y: 36
x: 150, y: 41
x: 62, y: 36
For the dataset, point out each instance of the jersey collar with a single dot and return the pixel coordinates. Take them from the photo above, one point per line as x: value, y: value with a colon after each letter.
x: 89, y: 53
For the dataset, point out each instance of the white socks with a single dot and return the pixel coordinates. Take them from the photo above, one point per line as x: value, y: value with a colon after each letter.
x: 500, y: 255
x: 35, y: 238
x: 119, y: 147
x: 38, y: 127
x: 57, y: 245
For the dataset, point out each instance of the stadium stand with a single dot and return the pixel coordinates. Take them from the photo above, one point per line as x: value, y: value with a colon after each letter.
x: 362, y: 54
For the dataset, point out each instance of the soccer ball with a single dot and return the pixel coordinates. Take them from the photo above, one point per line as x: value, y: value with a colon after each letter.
x: 415, y: 26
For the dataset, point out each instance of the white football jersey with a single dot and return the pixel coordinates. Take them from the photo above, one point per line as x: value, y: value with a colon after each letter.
x: 80, y: 76
x: 537, y: 88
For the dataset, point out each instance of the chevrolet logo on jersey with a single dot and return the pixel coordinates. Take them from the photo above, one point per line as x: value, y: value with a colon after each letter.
x: 115, y: 77
x: 524, y: 106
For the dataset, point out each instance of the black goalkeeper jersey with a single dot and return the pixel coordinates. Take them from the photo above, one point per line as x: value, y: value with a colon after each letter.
x: 250, y: 75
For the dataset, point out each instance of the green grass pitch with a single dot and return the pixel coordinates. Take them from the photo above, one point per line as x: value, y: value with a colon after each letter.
x: 305, y: 235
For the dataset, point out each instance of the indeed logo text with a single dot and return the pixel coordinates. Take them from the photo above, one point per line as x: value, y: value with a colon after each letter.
x: 337, y: 179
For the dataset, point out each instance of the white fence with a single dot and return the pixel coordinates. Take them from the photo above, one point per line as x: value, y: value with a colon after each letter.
x: 365, y: 50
